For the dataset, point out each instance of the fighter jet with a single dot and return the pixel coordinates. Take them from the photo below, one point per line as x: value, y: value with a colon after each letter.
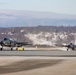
x: 70, y: 46
x: 11, y: 43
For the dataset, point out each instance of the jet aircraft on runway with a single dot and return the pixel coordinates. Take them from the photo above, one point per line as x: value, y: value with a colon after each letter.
x: 10, y: 43
x: 71, y: 46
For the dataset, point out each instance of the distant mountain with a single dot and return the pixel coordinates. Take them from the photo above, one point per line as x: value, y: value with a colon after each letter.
x: 13, y: 18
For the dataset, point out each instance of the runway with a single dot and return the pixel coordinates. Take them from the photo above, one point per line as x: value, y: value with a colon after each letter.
x: 32, y: 62
x: 39, y: 53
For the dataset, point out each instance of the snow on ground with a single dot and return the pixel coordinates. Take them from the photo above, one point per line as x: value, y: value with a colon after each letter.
x: 46, y: 38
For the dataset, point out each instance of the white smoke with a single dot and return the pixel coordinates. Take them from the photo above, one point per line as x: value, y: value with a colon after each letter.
x: 46, y: 38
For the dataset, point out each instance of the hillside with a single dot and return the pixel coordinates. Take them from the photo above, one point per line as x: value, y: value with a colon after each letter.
x: 42, y: 35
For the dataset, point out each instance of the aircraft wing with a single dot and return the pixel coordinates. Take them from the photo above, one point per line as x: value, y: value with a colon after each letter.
x: 22, y: 43
x: 69, y: 45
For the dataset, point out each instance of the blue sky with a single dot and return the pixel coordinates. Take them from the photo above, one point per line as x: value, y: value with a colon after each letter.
x: 57, y: 6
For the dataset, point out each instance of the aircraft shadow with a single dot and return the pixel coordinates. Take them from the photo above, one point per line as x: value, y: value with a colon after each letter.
x: 27, y: 65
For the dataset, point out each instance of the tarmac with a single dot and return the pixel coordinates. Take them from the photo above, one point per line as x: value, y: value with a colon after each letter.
x: 38, y: 62
x: 45, y: 53
x: 20, y: 65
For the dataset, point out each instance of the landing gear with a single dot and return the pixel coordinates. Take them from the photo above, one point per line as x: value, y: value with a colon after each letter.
x: 11, y: 49
x: 1, y: 49
x: 67, y: 49
x: 73, y: 48
x: 6, y: 49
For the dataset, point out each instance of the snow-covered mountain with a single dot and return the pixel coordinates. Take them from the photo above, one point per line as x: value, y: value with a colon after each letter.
x: 14, y: 18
